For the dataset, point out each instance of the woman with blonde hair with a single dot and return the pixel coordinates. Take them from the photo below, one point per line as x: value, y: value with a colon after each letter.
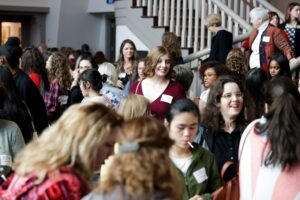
x: 134, y: 106
x: 109, y: 89
x: 221, y: 42
x: 142, y: 168
x: 60, y: 163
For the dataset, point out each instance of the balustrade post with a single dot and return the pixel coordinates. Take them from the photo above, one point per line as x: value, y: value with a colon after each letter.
x: 184, y: 19
x: 190, y: 25
x: 166, y: 12
x: 172, y: 16
x: 178, y: 19
x: 160, y: 13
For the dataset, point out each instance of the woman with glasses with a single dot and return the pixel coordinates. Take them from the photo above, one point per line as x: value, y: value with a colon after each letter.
x: 224, y: 120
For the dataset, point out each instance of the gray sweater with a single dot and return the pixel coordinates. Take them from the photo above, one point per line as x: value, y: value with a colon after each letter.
x: 11, y: 141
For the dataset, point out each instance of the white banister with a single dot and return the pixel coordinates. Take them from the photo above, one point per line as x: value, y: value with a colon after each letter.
x: 144, y: 3
x: 166, y: 13
x: 172, y: 16
x: 178, y: 8
x: 190, y: 23
x: 196, y: 30
x: 187, y: 18
x: 203, y: 14
x: 149, y: 8
x: 155, y: 8
x: 183, y: 30
x: 160, y: 13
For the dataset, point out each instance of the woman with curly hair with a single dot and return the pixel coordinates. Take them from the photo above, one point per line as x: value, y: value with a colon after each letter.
x: 225, y: 118
x: 157, y: 85
x: 127, y: 62
x: 56, y: 97
x: 33, y: 64
x: 142, y: 168
x: 60, y: 163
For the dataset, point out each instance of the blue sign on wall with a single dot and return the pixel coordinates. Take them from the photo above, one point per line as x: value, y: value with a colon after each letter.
x: 110, y: 1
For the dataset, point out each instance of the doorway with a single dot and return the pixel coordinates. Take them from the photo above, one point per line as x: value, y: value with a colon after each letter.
x: 9, y: 29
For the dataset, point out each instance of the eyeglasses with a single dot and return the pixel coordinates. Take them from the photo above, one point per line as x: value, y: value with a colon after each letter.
x: 229, y: 96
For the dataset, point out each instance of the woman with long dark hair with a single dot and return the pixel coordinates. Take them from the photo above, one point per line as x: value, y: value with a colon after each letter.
x: 269, y: 151
x: 11, y: 106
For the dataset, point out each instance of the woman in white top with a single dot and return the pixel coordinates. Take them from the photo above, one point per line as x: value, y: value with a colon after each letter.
x: 90, y: 85
x: 209, y: 72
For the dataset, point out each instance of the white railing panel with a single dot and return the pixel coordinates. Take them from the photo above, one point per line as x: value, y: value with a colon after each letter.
x: 178, y: 17
x: 184, y: 19
x: 172, y: 16
x: 160, y: 13
x: 190, y: 23
x: 166, y: 13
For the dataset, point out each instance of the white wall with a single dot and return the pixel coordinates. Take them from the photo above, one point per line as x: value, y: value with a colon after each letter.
x: 122, y: 33
x: 100, y: 6
x: 69, y: 24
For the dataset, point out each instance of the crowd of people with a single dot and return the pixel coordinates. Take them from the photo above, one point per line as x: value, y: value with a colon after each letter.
x: 75, y: 126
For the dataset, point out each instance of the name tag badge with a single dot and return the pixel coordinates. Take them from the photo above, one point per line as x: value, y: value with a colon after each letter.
x: 298, y: 27
x: 5, y: 160
x: 266, y: 39
x: 200, y: 175
x: 166, y: 98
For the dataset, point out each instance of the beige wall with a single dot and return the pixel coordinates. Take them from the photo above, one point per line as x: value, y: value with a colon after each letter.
x: 281, y: 4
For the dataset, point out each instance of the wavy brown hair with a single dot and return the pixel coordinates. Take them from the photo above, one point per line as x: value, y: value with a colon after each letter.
x: 283, y: 123
x: 170, y: 41
x: 32, y: 61
x: 149, y: 169
x: 213, y: 116
x: 153, y: 58
x: 59, y: 70
x: 73, y: 140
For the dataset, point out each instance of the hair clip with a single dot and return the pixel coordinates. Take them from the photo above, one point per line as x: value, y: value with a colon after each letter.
x: 131, y: 147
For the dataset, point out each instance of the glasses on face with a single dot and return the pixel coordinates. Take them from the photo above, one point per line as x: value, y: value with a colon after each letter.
x: 229, y: 96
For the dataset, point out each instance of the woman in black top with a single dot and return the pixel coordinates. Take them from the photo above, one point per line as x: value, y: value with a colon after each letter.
x: 224, y: 119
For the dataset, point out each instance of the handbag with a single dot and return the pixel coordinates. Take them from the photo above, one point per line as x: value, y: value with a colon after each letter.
x: 230, y: 189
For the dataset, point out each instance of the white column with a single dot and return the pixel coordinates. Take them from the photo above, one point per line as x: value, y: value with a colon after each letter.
x: 172, y: 16
x: 166, y: 13
x: 196, y: 31
x: 190, y: 25
x: 178, y: 10
x: 183, y: 30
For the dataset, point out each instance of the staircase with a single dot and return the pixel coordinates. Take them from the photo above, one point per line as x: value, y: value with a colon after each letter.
x: 186, y: 18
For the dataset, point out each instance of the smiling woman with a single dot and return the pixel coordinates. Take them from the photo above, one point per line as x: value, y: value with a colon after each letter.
x: 157, y: 86
x: 224, y: 119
